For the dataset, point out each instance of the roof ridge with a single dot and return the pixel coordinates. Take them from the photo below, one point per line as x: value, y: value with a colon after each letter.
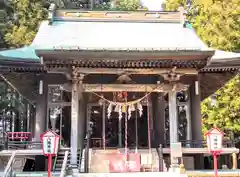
x: 86, y: 15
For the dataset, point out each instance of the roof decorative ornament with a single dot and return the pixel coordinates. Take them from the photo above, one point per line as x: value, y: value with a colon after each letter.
x: 77, y: 77
x: 124, y: 79
x: 51, y: 13
x: 182, y: 15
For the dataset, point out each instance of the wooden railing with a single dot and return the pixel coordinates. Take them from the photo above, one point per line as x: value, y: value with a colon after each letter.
x: 21, y: 136
x: 98, y: 143
x: 23, y: 140
x: 18, y: 140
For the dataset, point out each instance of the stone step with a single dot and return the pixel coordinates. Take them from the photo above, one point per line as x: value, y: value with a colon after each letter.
x: 130, y: 174
x: 36, y: 174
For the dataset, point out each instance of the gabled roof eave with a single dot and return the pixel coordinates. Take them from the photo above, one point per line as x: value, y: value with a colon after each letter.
x: 224, y: 59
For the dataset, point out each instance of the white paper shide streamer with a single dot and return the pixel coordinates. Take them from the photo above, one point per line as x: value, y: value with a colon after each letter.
x: 121, y: 108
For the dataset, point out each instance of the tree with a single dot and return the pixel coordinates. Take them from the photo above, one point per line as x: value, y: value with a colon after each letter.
x: 128, y: 5
x: 224, y: 110
x: 23, y: 22
x: 216, y: 22
x: 218, y: 25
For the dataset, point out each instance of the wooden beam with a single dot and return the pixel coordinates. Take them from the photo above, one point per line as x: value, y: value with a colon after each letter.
x: 133, y: 87
x: 119, y: 71
x: 31, y: 152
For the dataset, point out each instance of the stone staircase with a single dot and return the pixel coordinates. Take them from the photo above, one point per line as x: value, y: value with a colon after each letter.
x: 60, y: 158
x: 18, y: 164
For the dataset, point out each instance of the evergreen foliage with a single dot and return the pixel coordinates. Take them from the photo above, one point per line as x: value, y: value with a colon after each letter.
x: 23, y: 22
x: 218, y: 25
x: 125, y: 5
x: 224, y: 112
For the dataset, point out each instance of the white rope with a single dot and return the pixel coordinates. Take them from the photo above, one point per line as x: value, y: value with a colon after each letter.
x: 122, y: 103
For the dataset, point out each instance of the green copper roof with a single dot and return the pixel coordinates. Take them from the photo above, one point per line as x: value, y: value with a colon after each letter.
x: 112, y: 36
x: 25, y: 54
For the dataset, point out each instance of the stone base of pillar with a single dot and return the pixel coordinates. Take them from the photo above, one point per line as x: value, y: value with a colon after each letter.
x: 73, y: 169
x: 234, y: 161
x: 175, y: 168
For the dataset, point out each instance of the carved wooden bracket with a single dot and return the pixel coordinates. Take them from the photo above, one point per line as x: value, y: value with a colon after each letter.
x: 77, y: 74
x: 77, y: 78
x: 172, y: 76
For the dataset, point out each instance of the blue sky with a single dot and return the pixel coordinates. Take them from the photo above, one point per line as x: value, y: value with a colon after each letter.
x: 153, y: 5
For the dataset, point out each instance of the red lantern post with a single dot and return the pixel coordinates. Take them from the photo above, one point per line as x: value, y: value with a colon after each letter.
x: 50, y: 141
x: 214, y: 143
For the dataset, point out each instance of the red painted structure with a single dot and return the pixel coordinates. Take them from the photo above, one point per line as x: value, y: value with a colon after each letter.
x: 125, y: 163
x: 19, y: 136
x: 48, y: 150
x: 214, y: 142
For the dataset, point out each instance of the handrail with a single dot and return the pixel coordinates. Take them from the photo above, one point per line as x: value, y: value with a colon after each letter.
x: 9, y: 164
x: 55, y: 162
x: 64, y: 164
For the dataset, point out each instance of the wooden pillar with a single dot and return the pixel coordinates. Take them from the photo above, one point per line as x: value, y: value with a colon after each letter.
x: 32, y: 118
x: 28, y: 117
x: 196, y: 112
x: 40, y: 121
x: 173, y: 120
x: 158, y: 106
x: 81, y: 119
x: 41, y: 109
x: 196, y: 121
x: 74, y: 121
x: 189, y: 124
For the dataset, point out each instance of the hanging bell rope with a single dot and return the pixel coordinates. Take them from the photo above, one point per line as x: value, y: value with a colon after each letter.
x: 126, y: 132
x: 136, y: 132
x: 104, y: 125
x: 149, y: 127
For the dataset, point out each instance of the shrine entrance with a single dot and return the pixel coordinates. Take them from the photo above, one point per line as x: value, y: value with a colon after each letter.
x: 116, y: 121
x: 109, y: 132
x: 121, y: 125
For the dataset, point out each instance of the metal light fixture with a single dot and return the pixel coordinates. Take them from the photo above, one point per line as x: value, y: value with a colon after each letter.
x: 196, y: 87
x: 40, y: 87
x: 213, y: 99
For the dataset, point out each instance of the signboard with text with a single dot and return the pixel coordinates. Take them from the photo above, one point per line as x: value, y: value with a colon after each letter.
x: 214, y: 140
x: 50, y: 141
x: 215, y: 143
